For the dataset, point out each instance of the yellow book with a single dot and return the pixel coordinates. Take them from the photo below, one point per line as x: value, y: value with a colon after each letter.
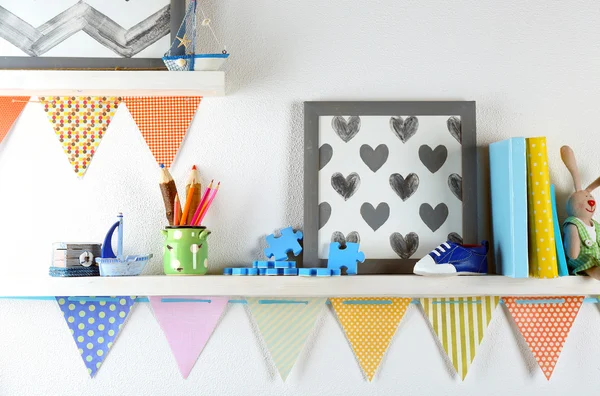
x: 542, y: 253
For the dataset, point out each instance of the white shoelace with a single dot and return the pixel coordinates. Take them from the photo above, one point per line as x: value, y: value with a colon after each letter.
x: 441, y: 249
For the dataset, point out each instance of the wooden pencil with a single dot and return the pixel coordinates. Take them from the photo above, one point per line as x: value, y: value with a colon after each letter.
x: 201, y: 204
x: 193, y: 181
x: 168, y: 191
x: 186, y: 208
x: 207, y: 204
x: 177, y: 214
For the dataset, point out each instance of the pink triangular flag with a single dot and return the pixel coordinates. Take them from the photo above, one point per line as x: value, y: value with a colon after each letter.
x: 187, y: 323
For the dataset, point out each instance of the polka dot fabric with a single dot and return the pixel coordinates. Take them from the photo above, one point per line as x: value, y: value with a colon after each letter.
x: 370, y: 327
x: 10, y: 109
x: 545, y: 325
x: 163, y: 122
x: 95, y: 325
x: 80, y: 123
x: 542, y: 250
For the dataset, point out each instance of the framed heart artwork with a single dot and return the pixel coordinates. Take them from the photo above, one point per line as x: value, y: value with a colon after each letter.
x: 397, y: 177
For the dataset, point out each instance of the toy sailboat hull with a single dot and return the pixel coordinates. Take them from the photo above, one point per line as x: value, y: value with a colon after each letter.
x: 195, y: 62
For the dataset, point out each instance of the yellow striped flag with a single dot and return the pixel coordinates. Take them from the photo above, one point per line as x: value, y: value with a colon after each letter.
x: 285, y: 326
x: 369, y: 324
x: 460, y: 323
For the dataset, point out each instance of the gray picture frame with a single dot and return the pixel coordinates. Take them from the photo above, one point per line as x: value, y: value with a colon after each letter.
x: 313, y: 110
x: 177, y: 12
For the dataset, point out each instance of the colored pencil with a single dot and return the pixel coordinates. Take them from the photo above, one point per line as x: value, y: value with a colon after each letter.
x: 193, y: 180
x: 186, y: 208
x: 208, y: 203
x: 168, y: 191
x: 201, y: 204
x: 177, y: 214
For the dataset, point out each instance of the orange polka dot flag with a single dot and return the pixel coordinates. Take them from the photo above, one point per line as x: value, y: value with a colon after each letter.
x: 545, y: 323
x: 80, y: 123
x: 94, y: 323
x: 163, y: 122
x: 10, y: 109
x: 369, y: 324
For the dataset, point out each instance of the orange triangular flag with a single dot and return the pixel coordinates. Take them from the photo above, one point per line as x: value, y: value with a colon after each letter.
x: 10, y: 109
x: 369, y: 324
x: 545, y: 323
x: 80, y: 123
x: 163, y: 122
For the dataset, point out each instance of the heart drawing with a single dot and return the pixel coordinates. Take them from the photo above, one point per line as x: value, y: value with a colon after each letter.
x: 433, y: 159
x: 325, y: 154
x: 375, y: 218
x: 339, y: 237
x: 374, y: 159
x: 433, y: 218
x: 404, y: 246
x: 345, y: 186
x: 346, y: 130
x: 324, y: 213
x: 455, y: 185
x: 404, y: 188
x: 404, y: 129
x: 454, y: 128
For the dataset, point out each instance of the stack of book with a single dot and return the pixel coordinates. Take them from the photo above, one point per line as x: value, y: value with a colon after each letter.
x: 526, y: 232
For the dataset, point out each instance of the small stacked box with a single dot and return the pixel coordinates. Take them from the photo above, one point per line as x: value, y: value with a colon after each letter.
x: 279, y: 268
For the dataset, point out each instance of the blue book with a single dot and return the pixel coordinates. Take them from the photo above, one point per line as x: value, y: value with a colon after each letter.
x: 563, y: 270
x: 508, y: 179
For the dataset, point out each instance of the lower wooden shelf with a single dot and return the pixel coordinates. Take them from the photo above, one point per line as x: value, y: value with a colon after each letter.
x: 294, y: 286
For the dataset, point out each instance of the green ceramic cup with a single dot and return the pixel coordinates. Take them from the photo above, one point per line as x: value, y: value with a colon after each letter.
x: 185, y: 250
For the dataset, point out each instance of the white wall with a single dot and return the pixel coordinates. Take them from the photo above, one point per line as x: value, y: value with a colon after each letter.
x: 533, y: 68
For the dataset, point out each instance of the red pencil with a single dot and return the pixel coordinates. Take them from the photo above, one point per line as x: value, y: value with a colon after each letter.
x: 177, y: 210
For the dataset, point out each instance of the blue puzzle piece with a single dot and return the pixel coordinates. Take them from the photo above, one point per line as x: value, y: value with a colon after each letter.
x: 348, y: 257
x: 323, y: 272
x: 307, y: 271
x: 274, y: 271
x: 285, y: 264
x: 227, y: 271
x: 239, y: 271
x: 290, y: 271
x: 264, y: 264
x: 318, y: 272
x: 287, y: 242
x: 336, y: 272
x: 262, y: 271
x: 252, y: 271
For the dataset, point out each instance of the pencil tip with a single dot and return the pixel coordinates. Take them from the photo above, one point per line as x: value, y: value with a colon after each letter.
x: 162, y: 166
x: 194, y: 167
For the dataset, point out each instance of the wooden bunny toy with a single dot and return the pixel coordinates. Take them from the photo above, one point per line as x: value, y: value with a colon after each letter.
x: 581, y: 232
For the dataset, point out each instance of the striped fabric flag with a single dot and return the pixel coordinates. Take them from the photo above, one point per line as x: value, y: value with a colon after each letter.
x: 369, y: 324
x: 285, y: 326
x: 460, y: 323
x: 545, y: 323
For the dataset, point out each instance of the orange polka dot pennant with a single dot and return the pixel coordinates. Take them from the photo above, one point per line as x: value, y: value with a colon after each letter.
x: 369, y: 324
x: 80, y: 123
x: 545, y: 323
x: 10, y: 109
x: 163, y: 122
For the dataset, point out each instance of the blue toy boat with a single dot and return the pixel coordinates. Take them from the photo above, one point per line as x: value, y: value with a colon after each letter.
x: 182, y: 54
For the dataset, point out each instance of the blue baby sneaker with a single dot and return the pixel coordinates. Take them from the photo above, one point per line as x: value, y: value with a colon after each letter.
x: 450, y: 259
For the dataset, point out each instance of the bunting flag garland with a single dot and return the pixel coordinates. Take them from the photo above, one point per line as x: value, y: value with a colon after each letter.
x: 545, y: 323
x: 188, y: 324
x: 460, y: 323
x: 285, y: 326
x: 95, y: 324
x: 80, y: 123
x: 369, y: 325
x: 163, y: 122
x: 10, y: 109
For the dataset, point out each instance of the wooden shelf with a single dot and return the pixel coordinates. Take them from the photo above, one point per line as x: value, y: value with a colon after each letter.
x: 114, y: 83
x: 345, y: 286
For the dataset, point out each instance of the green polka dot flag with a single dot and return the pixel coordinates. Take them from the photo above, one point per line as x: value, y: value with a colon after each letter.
x: 94, y: 323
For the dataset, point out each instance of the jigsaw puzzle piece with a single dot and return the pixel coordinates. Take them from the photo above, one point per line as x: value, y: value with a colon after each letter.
x: 348, y: 257
x: 287, y: 242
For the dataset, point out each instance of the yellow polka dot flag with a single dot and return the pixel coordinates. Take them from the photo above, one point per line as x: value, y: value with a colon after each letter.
x: 80, y: 123
x: 369, y: 324
x: 545, y: 323
x: 94, y: 323
x: 285, y: 326
x: 460, y: 323
x: 542, y: 253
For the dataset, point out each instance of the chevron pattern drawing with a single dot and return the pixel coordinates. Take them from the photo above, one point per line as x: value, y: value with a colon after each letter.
x: 83, y: 17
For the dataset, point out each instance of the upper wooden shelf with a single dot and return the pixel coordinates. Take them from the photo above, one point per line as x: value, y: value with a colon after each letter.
x: 113, y: 83
x: 294, y: 286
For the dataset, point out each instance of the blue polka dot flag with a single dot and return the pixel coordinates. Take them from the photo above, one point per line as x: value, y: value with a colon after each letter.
x: 95, y: 323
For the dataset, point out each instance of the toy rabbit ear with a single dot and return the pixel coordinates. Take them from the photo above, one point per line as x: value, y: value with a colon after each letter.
x: 568, y: 157
x: 595, y: 184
